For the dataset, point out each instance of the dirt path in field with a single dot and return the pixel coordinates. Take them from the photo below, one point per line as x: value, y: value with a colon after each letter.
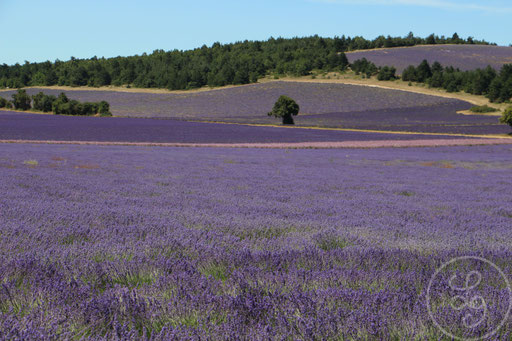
x: 291, y: 145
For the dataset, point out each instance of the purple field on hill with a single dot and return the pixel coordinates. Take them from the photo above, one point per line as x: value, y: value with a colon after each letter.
x: 24, y: 126
x: 441, y: 118
x: 253, y: 101
x: 327, y: 105
x: 464, y: 57
x: 174, y: 243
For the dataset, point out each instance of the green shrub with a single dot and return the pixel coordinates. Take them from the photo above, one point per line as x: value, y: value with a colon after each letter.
x: 43, y: 102
x: 483, y: 109
x: 21, y: 100
x: 507, y: 116
x: 386, y: 73
x: 104, y: 108
x: 64, y: 106
x: 3, y: 102
x: 365, y: 67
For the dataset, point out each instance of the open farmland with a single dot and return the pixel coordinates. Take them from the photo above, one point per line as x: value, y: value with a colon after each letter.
x: 464, y: 57
x: 322, y: 105
x: 120, y: 242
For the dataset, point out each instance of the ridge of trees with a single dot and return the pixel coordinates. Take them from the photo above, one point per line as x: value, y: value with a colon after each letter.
x: 496, y: 86
x: 218, y: 65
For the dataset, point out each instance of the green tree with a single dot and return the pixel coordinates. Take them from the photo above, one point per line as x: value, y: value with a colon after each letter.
x: 104, y: 109
x: 21, y: 100
x: 43, y: 102
x: 3, y: 102
x: 409, y: 74
x: 436, y: 81
x: 431, y: 39
x: 437, y: 67
x: 423, y: 71
x: 386, y: 73
x: 60, y: 106
x: 507, y: 116
x: 285, y: 108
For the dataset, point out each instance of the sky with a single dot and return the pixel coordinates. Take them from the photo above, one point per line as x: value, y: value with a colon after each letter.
x: 36, y: 30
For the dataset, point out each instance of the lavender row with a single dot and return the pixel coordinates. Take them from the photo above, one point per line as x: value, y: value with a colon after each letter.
x: 166, y: 243
x: 23, y: 126
x: 464, y: 57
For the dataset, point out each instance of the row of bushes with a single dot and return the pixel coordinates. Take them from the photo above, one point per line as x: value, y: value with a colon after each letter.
x: 496, y: 86
x: 368, y: 69
x: 60, y: 105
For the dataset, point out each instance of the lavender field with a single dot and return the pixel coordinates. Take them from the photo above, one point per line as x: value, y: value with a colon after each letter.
x: 192, y: 243
x: 253, y: 101
x: 24, y: 126
x: 322, y: 105
x: 464, y: 57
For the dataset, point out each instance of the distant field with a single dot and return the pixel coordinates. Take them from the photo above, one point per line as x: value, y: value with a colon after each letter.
x: 253, y: 101
x: 322, y: 104
x: 465, y: 57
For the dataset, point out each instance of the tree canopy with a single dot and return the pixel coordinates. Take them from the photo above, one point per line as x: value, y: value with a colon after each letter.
x: 285, y: 108
x: 507, y: 116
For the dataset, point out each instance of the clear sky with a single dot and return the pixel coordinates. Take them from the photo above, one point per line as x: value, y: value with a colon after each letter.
x: 37, y: 30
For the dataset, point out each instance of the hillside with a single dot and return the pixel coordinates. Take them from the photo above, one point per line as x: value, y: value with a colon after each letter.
x: 217, y: 65
x: 331, y: 105
x: 464, y: 57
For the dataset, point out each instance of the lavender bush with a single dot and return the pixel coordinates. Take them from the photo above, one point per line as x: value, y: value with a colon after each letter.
x: 170, y: 243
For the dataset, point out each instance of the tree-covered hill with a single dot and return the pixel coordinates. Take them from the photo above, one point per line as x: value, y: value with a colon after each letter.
x: 218, y: 65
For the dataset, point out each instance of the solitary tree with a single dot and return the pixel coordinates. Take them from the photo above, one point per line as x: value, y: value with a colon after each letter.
x: 507, y: 116
x: 285, y: 108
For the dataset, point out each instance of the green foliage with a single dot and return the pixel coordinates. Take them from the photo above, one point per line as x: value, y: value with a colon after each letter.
x: 21, y: 100
x: 409, y: 74
x: 64, y: 106
x: 3, y: 102
x: 507, y: 116
x: 386, y: 73
x: 237, y: 63
x: 497, y: 87
x: 365, y: 67
x: 482, y: 109
x: 104, y: 108
x: 43, y: 102
x: 285, y: 108
x: 423, y: 71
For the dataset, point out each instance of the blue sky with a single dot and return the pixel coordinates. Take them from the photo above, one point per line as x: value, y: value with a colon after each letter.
x: 36, y: 30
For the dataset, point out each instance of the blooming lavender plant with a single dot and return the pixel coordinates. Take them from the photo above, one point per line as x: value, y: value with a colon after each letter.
x: 192, y: 243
